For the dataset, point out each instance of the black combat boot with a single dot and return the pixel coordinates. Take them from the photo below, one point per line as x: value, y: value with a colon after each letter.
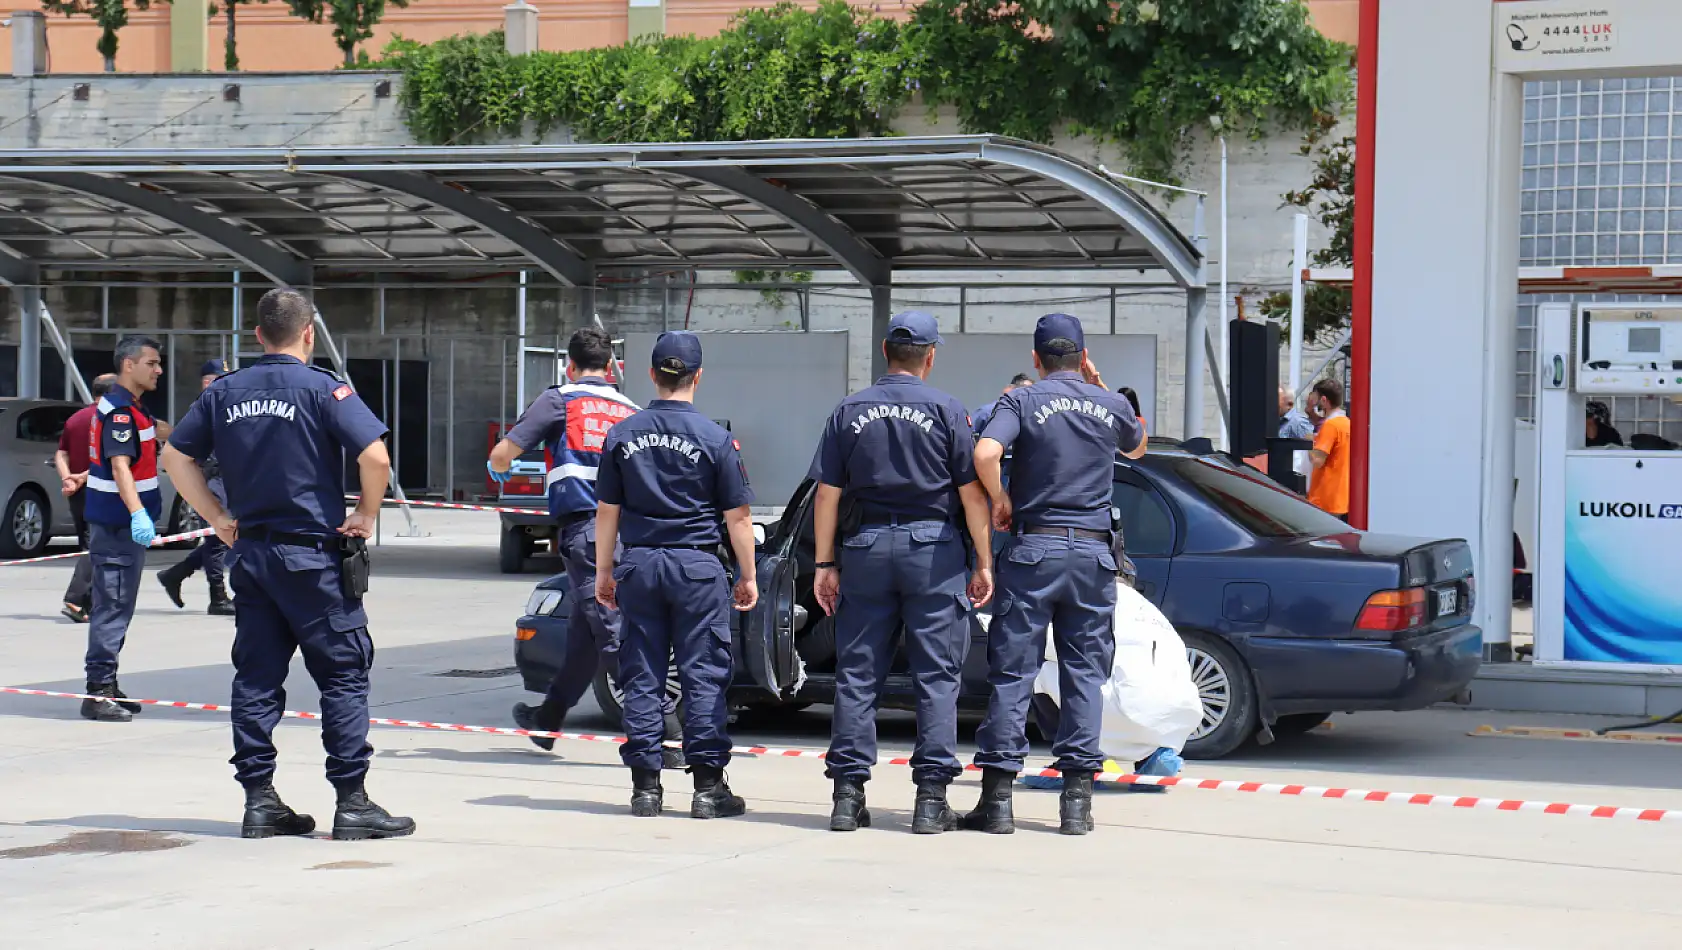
x: 357, y: 818
x: 931, y: 815
x: 104, y: 709
x: 713, y: 798
x: 117, y: 691
x: 647, y: 797
x: 267, y: 816
x: 849, y: 813
x: 1075, y: 807
x: 538, y: 719
x: 993, y: 813
x: 171, y: 578
x: 220, y: 604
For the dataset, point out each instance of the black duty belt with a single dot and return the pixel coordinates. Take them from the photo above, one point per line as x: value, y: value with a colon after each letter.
x: 1086, y: 533
x: 270, y: 536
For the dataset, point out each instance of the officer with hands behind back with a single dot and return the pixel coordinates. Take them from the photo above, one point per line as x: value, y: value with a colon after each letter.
x: 1059, y: 569
x: 668, y: 477
x: 281, y: 430
x: 901, y: 454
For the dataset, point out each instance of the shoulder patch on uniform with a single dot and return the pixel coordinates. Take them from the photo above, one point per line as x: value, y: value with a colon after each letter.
x: 121, y: 417
x: 121, y: 435
x: 737, y: 443
x: 342, y: 392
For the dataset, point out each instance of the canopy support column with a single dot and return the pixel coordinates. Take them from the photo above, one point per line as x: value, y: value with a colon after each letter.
x: 586, y: 316
x: 29, y: 341
x: 881, y: 311
x: 1197, y: 333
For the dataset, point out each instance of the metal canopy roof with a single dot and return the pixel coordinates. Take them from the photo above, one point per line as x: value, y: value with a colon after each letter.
x: 871, y: 206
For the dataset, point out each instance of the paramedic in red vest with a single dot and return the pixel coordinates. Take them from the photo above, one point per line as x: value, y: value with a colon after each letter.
x: 122, y: 508
x: 571, y: 421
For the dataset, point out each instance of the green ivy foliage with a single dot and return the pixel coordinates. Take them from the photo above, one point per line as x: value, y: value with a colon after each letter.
x: 1134, y: 72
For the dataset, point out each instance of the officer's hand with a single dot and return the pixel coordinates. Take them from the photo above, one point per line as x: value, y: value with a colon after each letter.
x: 826, y: 586
x: 607, y: 591
x: 141, y: 528
x: 1002, y: 511
x: 746, y: 593
x: 357, y: 525
x: 981, y: 586
x: 496, y: 476
x: 1090, y: 372
x: 68, y: 486
x: 227, y: 529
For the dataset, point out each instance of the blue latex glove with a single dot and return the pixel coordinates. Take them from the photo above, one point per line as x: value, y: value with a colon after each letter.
x: 496, y: 476
x: 141, y: 528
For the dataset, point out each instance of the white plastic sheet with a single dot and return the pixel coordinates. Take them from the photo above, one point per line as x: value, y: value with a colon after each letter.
x: 1150, y: 701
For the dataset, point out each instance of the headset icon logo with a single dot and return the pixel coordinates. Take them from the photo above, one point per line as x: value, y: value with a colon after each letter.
x: 1521, y: 40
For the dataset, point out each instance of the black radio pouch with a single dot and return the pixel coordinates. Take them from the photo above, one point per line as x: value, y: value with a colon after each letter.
x: 1125, y: 569
x: 357, y: 565
x: 849, y: 519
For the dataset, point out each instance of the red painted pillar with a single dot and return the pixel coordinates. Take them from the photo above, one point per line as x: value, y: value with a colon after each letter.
x: 1360, y: 342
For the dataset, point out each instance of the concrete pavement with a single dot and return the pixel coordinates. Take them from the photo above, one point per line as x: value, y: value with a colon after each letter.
x: 129, y: 833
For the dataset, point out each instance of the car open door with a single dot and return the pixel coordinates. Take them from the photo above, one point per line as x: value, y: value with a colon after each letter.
x: 766, y: 633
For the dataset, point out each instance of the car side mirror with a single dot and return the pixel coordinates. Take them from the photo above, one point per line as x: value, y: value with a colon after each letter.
x: 758, y: 535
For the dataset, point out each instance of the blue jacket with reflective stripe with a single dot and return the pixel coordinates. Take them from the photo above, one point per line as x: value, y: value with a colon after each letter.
x: 571, y: 422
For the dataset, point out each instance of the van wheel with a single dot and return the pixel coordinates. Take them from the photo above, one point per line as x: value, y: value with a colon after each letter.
x: 515, y: 547
x: 24, y: 525
x: 1228, y: 694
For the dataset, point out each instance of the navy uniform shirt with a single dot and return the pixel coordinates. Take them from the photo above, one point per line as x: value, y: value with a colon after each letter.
x: 1065, y: 433
x: 673, y: 472
x: 121, y: 427
x: 281, y: 431
x: 900, y: 448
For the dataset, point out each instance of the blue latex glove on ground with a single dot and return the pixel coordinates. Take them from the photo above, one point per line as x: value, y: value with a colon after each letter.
x: 496, y: 476
x: 141, y: 528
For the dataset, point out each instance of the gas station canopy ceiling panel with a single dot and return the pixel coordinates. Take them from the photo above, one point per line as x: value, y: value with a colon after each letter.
x: 869, y: 205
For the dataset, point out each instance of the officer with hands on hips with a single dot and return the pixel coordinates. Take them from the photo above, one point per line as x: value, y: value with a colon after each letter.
x: 211, y: 555
x: 1059, y: 569
x: 122, y: 509
x: 572, y: 422
x: 901, y: 454
x: 281, y: 429
x: 669, y: 476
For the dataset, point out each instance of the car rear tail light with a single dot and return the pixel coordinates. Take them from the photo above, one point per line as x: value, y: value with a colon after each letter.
x: 1392, y: 611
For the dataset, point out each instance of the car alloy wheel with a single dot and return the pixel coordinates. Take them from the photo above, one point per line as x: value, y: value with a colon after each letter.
x: 674, y: 686
x: 1214, y: 690
x: 29, y: 523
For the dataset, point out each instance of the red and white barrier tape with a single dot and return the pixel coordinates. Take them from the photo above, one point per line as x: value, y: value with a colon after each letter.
x: 156, y: 542
x: 1221, y: 785
x: 460, y: 506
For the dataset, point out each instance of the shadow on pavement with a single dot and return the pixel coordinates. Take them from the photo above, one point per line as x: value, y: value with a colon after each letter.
x: 186, y: 826
x: 492, y: 757
x: 674, y: 809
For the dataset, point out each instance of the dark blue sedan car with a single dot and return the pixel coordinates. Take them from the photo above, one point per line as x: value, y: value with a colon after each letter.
x: 1288, y: 614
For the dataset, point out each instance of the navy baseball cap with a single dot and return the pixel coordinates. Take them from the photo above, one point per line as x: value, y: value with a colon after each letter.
x: 213, y: 368
x: 1058, y: 334
x: 915, y: 327
x: 677, y: 352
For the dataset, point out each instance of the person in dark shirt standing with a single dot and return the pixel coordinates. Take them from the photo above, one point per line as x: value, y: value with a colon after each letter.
x: 1058, y: 570
x: 979, y: 421
x: 211, y: 555
x: 71, y: 460
x: 901, y: 455
x: 669, y: 478
x: 282, y: 430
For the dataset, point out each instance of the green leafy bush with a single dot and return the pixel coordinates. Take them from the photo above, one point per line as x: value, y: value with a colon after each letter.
x: 1135, y: 72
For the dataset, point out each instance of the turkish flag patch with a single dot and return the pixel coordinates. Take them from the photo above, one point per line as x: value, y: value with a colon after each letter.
x: 342, y: 392
x: 737, y: 444
x: 121, y: 418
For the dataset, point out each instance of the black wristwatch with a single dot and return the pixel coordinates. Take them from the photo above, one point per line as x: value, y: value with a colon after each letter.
x: 823, y: 564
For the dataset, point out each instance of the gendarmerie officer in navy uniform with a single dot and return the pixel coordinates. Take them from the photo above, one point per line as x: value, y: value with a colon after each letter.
x: 211, y: 555
x: 122, y: 509
x: 281, y: 429
x: 571, y: 422
x: 900, y: 454
x: 1059, y: 568
x: 671, y: 481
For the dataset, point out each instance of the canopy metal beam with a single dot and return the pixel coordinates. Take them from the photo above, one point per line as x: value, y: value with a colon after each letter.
x: 847, y: 249
x: 567, y: 266
x: 279, y: 266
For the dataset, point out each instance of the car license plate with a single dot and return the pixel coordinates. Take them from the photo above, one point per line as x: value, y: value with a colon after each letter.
x: 1448, y: 601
